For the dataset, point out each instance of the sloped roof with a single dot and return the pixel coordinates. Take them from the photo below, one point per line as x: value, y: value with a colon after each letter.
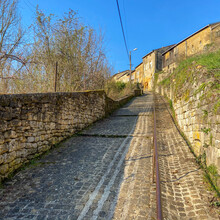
x: 138, y: 65
x: 209, y: 25
x: 159, y: 49
x: 120, y: 74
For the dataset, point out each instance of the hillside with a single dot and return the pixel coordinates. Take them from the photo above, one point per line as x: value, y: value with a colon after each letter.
x: 193, y: 91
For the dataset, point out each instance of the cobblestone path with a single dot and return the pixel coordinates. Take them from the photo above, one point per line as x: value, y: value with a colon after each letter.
x: 184, y: 195
x: 106, y: 173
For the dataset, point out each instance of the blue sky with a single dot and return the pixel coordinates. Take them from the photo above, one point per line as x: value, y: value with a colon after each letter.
x: 148, y: 24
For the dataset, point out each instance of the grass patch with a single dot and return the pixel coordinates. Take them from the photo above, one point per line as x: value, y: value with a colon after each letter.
x: 186, y: 95
x: 212, y: 174
x: 116, y: 90
x: 165, y: 82
x: 206, y: 130
x: 216, y: 107
x: 201, y: 88
x: 210, y: 61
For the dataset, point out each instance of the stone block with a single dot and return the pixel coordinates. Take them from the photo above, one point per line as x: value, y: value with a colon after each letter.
x: 4, y: 148
x: 30, y: 139
x: 10, y: 134
x: 21, y: 153
x: 9, y: 157
x: 1, y: 159
x: 4, y: 169
x: 14, y: 145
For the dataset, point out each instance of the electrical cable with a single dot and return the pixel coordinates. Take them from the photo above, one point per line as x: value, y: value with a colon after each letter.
x: 125, y: 23
x: 119, y: 13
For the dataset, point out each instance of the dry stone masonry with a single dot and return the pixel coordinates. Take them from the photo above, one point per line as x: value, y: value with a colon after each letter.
x: 31, y: 124
x: 198, y: 116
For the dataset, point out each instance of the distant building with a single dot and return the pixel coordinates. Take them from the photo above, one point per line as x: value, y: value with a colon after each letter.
x: 192, y: 45
x: 121, y: 76
x: 139, y: 70
x: 126, y: 77
x: 152, y: 63
x: 167, y: 58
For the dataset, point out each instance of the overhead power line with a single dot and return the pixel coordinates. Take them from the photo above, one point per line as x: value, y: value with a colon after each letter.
x: 119, y: 13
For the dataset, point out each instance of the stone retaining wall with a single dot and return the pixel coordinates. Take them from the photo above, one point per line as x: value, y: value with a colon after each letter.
x: 199, y: 122
x: 30, y: 124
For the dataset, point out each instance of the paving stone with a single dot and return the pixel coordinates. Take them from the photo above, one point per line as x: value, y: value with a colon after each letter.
x: 179, y: 172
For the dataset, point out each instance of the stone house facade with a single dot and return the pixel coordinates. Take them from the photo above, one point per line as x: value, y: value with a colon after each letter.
x: 121, y: 76
x: 138, y: 73
x: 125, y: 77
x: 194, y: 44
x: 152, y: 63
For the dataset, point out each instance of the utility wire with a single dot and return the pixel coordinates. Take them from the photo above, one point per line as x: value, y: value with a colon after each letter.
x: 119, y: 13
x: 125, y: 23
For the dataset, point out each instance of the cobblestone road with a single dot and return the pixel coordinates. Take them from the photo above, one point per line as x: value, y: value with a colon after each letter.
x: 106, y: 173
x: 184, y: 193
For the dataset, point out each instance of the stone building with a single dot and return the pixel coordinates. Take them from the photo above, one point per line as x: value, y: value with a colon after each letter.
x: 194, y: 44
x: 125, y: 77
x: 152, y: 63
x: 121, y: 76
x: 138, y: 73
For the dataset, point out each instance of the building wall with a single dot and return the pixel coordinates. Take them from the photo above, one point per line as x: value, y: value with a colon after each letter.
x: 192, y: 46
x: 124, y: 78
x: 196, y: 43
x: 133, y: 76
x: 149, y: 68
x: 139, y: 70
x: 215, y: 33
x: 117, y: 77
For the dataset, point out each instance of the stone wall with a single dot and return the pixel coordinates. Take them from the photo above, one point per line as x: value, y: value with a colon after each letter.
x: 198, y: 116
x: 30, y: 124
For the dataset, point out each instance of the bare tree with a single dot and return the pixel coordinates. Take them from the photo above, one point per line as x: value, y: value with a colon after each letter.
x: 11, y: 35
x: 77, y: 49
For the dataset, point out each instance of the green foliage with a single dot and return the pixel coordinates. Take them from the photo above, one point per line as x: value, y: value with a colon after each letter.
x: 166, y: 81
x: 186, y: 95
x: 216, y: 203
x: 189, y: 72
x: 210, y: 139
x: 205, y: 113
x: 210, y: 60
x: 184, y: 70
x: 206, y: 130
x: 201, y: 159
x: 213, y: 171
x: 171, y: 104
x: 116, y: 90
x: 216, y: 107
x: 120, y: 85
x: 156, y: 75
x: 201, y: 88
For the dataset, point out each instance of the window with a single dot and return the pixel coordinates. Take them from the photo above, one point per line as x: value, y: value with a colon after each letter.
x: 137, y: 74
x: 150, y: 65
x: 217, y: 34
